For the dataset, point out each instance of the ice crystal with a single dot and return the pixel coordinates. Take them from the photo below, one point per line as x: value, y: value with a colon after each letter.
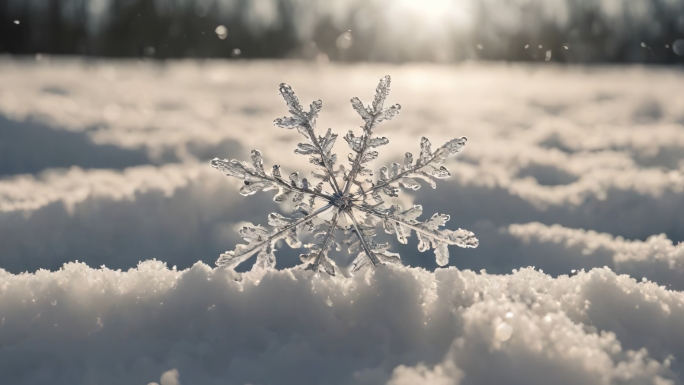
x: 350, y: 200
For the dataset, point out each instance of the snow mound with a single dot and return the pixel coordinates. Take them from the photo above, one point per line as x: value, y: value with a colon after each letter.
x: 396, y: 324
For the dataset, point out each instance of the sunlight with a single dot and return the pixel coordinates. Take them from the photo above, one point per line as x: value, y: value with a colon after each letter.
x: 434, y: 15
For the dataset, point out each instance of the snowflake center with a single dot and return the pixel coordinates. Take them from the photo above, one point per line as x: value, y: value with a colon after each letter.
x: 343, y: 202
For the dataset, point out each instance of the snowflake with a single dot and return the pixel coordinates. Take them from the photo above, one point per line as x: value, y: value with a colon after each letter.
x: 352, y: 202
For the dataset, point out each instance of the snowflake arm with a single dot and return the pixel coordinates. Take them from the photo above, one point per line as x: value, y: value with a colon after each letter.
x: 260, y: 240
x: 372, y: 115
x: 428, y: 232
x: 318, y: 259
x: 256, y: 179
x: 367, y: 255
x: 318, y: 147
x: 425, y: 168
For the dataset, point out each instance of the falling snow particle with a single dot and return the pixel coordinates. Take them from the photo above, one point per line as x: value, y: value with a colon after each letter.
x: 344, y: 41
x: 527, y: 46
x: 221, y: 32
x: 548, y: 55
x: 236, y: 52
x: 678, y: 47
x: 503, y: 332
x: 17, y: 22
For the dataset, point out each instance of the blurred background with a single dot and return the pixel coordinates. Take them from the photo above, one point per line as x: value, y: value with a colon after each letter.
x: 569, y: 31
x: 110, y: 111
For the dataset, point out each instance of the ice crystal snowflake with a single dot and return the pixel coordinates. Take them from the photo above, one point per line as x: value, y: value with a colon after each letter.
x: 352, y: 202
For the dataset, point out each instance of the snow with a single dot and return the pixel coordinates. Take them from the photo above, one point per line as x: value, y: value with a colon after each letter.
x: 576, y: 171
x: 296, y: 326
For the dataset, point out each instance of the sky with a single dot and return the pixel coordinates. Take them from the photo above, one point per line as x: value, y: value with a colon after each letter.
x: 111, y: 219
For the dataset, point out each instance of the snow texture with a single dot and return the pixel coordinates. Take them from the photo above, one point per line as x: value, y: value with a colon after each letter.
x: 578, y: 172
x: 397, y: 324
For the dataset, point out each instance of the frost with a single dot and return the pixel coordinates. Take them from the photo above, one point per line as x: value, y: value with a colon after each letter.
x: 344, y: 193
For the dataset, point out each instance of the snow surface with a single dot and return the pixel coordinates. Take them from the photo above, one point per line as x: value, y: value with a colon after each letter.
x: 576, y: 171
